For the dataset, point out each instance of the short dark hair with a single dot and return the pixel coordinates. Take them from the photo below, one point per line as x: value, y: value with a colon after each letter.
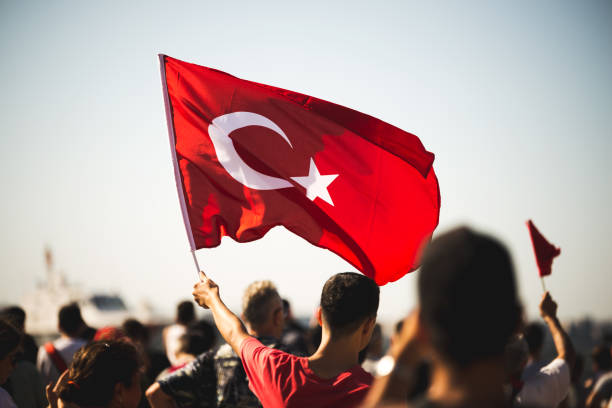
x: 10, y: 338
x: 96, y: 369
x: 70, y: 320
x: 206, y: 331
x: 136, y: 331
x: 185, y: 313
x: 194, y: 343
x: 467, y: 295
x: 534, y: 336
x: 14, y: 315
x: 347, y: 300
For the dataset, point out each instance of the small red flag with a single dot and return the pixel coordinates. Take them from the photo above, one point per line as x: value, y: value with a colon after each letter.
x: 249, y: 157
x: 545, y: 252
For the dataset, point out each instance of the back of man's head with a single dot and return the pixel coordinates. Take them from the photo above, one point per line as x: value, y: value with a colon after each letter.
x: 259, y: 302
x: 348, y: 299
x: 136, y: 331
x: 15, y: 315
x: 467, y: 294
x: 194, y: 343
x: 534, y: 336
x: 69, y: 319
x: 185, y: 312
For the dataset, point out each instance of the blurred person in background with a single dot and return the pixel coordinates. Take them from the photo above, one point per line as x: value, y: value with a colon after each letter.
x: 10, y: 339
x: 534, y: 336
x: 601, y: 363
x: 217, y: 378
x: 313, y: 339
x: 374, y: 351
x: 294, y: 335
x: 422, y: 371
x: 185, y: 314
x: 54, y: 357
x: 191, y: 344
x: 104, y: 374
x: 25, y: 383
x: 550, y: 385
x: 397, y: 330
x: 468, y: 310
x: 17, y: 317
x: 205, y: 329
x: 576, y: 398
x: 601, y: 391
x: 139, y: 336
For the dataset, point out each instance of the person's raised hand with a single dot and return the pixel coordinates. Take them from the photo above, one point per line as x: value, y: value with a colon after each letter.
x: 51, y: 390
x: 205, y: 291
x: 410, y: 338
x: 548, y: 307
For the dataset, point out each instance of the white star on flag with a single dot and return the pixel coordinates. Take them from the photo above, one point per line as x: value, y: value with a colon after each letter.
x: 316, y: 184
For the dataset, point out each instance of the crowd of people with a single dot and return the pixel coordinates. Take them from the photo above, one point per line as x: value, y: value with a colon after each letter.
x: 465, y: 345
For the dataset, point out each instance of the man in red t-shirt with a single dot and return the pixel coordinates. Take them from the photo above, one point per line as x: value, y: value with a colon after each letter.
x: 332, y: 376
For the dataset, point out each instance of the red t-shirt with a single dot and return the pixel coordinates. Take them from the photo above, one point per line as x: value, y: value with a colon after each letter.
x: 280, y: 379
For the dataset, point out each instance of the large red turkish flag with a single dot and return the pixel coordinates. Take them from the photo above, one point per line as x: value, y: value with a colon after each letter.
x: 249, y: 157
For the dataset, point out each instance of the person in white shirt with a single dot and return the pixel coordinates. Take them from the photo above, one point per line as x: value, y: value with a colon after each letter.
x: 185, y: 314
x: 549, y: 386
x: 54, y: 357
x: 534, y: 336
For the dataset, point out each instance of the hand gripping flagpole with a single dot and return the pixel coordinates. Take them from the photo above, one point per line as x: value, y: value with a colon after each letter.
x: 177, y: 172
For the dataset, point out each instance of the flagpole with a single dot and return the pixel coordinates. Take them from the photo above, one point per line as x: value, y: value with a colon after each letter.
x: 177, y: 173
x: 543, y: 284
x: 197, y: 265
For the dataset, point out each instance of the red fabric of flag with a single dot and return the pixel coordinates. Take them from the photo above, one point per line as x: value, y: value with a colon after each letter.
x: 249, y: 157
x: 544, y: 251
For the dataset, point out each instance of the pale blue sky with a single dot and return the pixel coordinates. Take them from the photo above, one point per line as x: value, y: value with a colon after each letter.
x: 514, y: 98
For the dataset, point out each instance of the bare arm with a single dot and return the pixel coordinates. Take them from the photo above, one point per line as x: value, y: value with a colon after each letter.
x: 563, y: 344
x: 206, y: 294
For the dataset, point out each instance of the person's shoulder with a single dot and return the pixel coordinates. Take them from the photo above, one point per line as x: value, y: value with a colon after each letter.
x: 224, y: 351
x: 68, y: 343
x: 251, y: 345
x: 76, y: 343
x: 556, y: 367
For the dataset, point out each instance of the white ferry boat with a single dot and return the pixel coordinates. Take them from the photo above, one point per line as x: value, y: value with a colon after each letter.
x: 98, y: 309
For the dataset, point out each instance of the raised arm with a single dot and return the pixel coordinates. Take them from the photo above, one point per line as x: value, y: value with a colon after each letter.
x: 563, y: 344
x: 206, y: 294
